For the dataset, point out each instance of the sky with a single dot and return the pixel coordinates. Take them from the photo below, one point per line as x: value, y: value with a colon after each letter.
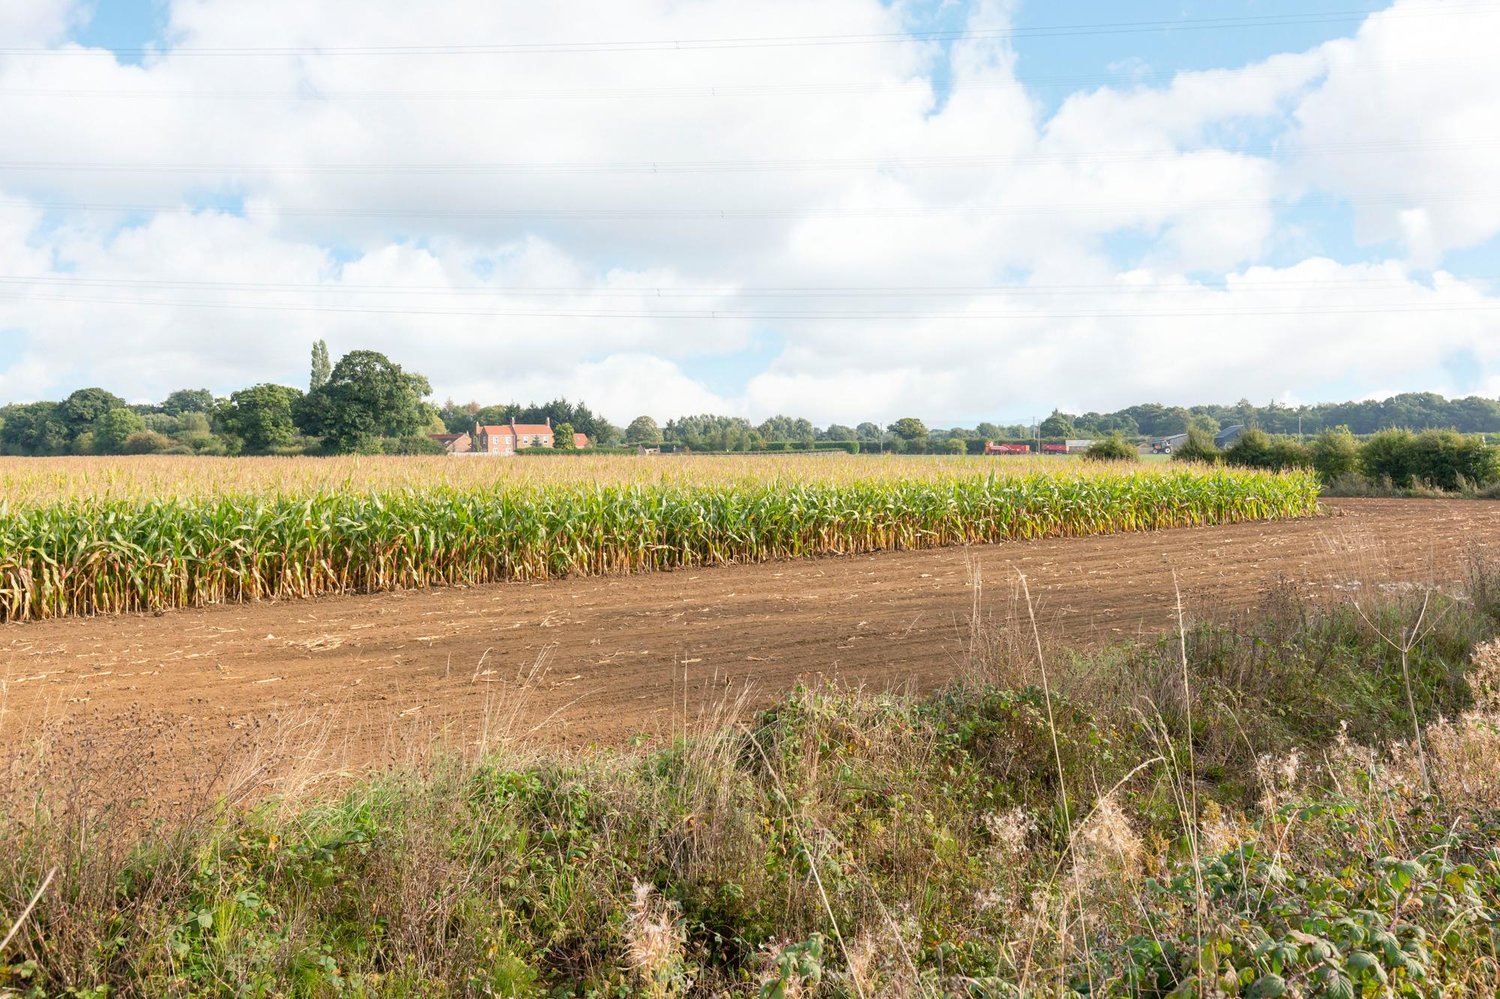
x: 850, y: 210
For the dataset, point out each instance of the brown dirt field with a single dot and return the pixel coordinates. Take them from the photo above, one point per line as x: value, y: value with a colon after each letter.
x: 168, y: 707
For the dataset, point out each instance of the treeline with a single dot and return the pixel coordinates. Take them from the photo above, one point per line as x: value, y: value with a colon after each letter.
x: 364, y: 404
x: 368, y: 404
x: 1407, y: 411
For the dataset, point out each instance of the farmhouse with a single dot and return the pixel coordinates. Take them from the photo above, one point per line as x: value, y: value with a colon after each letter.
x: 508, y: 438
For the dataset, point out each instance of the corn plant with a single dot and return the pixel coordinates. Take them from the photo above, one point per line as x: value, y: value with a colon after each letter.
x: 245, y: 530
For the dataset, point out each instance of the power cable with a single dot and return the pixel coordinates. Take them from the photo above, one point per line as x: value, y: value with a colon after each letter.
x: 788, y: 41
x: 766, y: 316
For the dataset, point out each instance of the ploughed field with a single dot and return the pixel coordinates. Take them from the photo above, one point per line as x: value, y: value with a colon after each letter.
x: 176, y: 704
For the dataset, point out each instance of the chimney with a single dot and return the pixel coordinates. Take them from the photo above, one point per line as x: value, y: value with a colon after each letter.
x: 549, y: 423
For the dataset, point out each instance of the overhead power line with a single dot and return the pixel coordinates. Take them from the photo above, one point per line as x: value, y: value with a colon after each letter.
x: 767, y: 316
x: 305, y: 92
x: 1042, y: 210
x: 782, y: 165
x: 787, y: 41
x: 681, y: 292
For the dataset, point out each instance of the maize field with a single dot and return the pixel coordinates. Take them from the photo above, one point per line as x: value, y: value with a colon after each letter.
x: 95, y: 536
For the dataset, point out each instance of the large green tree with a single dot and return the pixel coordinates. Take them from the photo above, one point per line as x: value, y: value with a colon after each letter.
x: 188, y: 401
x: 34, y: 428
x: 262, y: 416
x: 909, y: 429
x: 788, y: 428
x: 366, y: 397
x: 643, y: 430
x: 1059, y: 424
x: 81, y: 410
x: 114, y: 428
x: 709, y: 432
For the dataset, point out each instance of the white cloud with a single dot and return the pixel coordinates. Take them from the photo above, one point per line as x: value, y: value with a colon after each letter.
x: 25, y: 22
x: 495, y: 303
x: 1404, y: 126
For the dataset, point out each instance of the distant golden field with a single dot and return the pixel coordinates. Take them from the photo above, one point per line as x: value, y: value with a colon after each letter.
x: 45, y: 480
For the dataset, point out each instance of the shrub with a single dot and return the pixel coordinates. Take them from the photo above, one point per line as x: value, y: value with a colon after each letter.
x: 1390, y: 456
x: 1258, y: 449
x: 1112, y: 448
x: 1199, y: 446
x: 416, y: 444
x: 1442, y: 459
x: 1335, y: 454
x: 147, y: 442
x: 1450, y: 460
x: 955, y: 445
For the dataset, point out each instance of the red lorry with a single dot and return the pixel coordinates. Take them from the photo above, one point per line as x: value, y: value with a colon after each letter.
x: 990, y: 447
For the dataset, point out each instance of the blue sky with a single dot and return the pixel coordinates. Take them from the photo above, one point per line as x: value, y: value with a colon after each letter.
x: 1267, y: 198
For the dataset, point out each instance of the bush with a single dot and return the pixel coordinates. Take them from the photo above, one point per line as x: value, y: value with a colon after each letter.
x: 1451, y: 460
x: 1112, y: 448
x: 955, y: 445
x: 1258, y: 449
x: 1199, y: 446
x: 1335, y: 454
x: 1390, y: 456
x: 1443, y: 459
x: 416, y: 444
x: 147, y: 442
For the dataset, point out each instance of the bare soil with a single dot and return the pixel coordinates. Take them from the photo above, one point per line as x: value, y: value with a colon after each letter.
x: 190, y: 703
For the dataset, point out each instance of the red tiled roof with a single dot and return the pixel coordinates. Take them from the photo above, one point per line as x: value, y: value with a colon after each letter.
x: 520, y: 429
x: 580, y: 440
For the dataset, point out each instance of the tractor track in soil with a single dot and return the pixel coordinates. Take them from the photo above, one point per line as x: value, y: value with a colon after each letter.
x: 176, y: 707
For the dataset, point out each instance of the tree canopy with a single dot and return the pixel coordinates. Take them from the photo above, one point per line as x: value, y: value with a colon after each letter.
x: 188, y: 401
x: 262, y: 416
x: 909, y: 428
x: 81, y: 410
x: 643, y: 430
x: 367, y: 396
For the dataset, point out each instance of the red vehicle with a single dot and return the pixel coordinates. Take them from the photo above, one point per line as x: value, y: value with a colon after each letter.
x: 1054, y: 449
x: 990, y: 447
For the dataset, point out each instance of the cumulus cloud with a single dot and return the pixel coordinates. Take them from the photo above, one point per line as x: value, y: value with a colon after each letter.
x: 1419, y: 87
x: 520, y: 224
x: 24, y: 22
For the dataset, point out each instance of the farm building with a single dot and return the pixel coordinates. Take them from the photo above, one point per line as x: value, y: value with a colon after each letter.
x: 1224, y: 438
x: 454, y: 443
x: 508, y: 438
x: 1227, y: 436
